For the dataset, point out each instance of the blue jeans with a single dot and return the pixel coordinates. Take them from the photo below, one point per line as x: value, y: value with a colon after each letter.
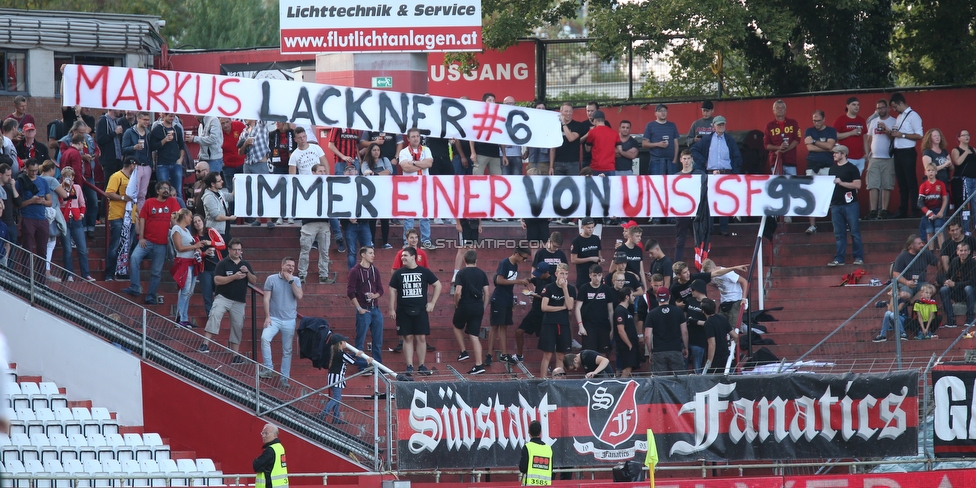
x: 76, y: 234
x: 968, y: 188
x: 697, y: 358
x: 332, y: 407
x: 886, y: 323
x: 927, y: 228
x: 336, y: 229
x: 424, y: 229
x: 173, y: 174
x: 373, y: 321
x: 660, y: 166
x: 287, y: 329
x: 207, y: 287
x: 357, y: 235
x: 459, y: 169
x: 844, y: 216
x: 946, y: 293
x: 514, y: 167
x: 183, y: 302
x: 216, y: 165
x: 158, y: 254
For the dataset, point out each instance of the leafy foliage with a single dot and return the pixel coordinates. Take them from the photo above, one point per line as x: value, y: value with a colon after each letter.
x: 933, y: 42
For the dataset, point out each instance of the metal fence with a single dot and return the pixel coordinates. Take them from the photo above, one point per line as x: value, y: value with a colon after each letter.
x: 570, y: 72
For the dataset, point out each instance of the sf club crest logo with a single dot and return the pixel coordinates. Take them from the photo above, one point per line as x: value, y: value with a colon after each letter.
x: 611, y: 413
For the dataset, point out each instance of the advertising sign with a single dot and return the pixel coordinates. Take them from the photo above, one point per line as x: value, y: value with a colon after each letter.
x: 309, y: 27
x: 504, y: 73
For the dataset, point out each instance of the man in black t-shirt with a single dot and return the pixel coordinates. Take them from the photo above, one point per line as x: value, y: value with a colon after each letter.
x: 409, y: 307
x: 697, y: 342
x: 660, y: 264
x: 667, y: 335
x: 717, y: 331
x: 681, y: 285
x: 541, y: 277
x: 231, y: 277
x: 551, y: 253
x: 629, y: 349
x: 487, y: 157
x: 844, y: 208
x: 594, y: 307
x: 585, y: 251
x: 591, y: 361
x: 565, y: 159
x: 470, y: 301
x: 503, y: 301
x: 629, y: 148
x: 956, y: 235
x: 557, y: 301
x: 634, y: 254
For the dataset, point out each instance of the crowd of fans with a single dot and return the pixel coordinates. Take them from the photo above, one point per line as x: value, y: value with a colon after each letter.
x: 654, y: 309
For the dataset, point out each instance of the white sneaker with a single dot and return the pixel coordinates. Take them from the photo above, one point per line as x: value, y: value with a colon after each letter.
x: 812, y: 230
x: 438, y: 221
x: 787, y: 220
x: 291, y: 221
x: 279, y: 221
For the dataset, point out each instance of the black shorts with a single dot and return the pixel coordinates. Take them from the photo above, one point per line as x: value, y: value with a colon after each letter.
x: 597, y: 338
x: 416, y: 324
x: 468, y: 236
x: 532, y: 322
x: 501, y: 315
x: 537, y: 230
x: 468, y: 318
x: 629, y: 358
x: 555, y: 338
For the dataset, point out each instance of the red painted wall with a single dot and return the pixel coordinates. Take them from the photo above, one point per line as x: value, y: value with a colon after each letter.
x: 195, y: 420
x: 209, y: 62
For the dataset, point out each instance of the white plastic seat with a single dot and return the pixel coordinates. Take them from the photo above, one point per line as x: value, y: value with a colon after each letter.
x: 189, y: 468
x: 33, y: 393
x: 81, y: 413
x: 169, y: 468
x: 151, y: 468
x: 4, y: 439
x: 206, y: 466
x: 34, y: 467
x: 71, y: 426
x: 134, y: 475
x: 122, y: 451
x: 106, y: 424
x: 11, y: 450
x: 55, y: 468
x: 113, y: 468
x: 53, y: 393
x: 80, y: 443
x: 154, y: 441
x: 15, y: 467
x: 12, y: 389
x: 21, y: 444
x: 92, y: 468
x: 21, y: 397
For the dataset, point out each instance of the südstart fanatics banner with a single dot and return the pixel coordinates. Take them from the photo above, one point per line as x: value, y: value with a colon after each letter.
x: 311, y: 103
x: 954, y: 391
x: 474, y: 197
x: 310, y: 27
x: 711, y: 418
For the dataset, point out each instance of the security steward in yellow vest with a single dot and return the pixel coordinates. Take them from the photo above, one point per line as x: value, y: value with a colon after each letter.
x: 271, y: 470
x: 536, y: 460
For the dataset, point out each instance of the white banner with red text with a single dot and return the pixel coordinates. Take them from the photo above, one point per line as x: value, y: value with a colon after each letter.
x: 308, y: 27
x: 475, y: 197
x: 310, y: 103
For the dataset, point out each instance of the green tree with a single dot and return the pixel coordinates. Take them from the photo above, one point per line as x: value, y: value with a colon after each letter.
x: 933, y: 42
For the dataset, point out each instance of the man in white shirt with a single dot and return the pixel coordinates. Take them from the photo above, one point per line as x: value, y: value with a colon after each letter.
x: 306, y: 156
x: 732, y: 290
x: 416, y: 159
x: 881, y: 163
x: 907, y: 130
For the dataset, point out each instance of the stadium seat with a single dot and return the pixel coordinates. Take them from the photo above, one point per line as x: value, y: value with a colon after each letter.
x: 80, y: 443
x: 12, y: 449
x: 55, y: 468
x: 122, y: 451
x: 188, y: 467
x: 154, y: 441
x: 21, y: 397
x: 107, y: 425
x: 65, y: 450
x: 150, y: 467
x: 14, y: 467
x: 71, y: 426
x: 35, y: 468
x: 113, y: 468
x: 12, y: 389
x: 134, y: 475
x: 27, y: 450
x: 16, y: 425
x: 32, y: 392
x: 206, y: 466
x: 55, y: 397
x: 91, y: 468
x: 4, y: 439
x: 168, y: 467
x: 102, y: 449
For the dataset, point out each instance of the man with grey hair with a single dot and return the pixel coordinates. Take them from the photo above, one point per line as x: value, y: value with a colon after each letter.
x: 282, y: 291
x: 270, y: 467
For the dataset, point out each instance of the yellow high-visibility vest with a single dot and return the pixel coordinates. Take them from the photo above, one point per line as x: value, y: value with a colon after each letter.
x: 539, y: 472
x: 279, y: 473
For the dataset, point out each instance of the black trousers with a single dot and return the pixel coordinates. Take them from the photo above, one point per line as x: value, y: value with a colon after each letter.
x: 905, y: 174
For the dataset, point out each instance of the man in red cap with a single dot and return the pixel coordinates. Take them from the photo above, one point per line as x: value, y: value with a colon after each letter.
x: 666, y: 333
x: 28, y: 147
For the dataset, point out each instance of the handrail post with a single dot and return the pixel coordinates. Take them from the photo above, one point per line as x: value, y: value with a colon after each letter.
x: 33, y: 279
x: 377, y: 463
x: 257, y: 390
x: 145, y: 323
x: 254, y: 325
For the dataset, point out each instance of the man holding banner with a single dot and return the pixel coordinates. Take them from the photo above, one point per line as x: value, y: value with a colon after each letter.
x: 417, y: 160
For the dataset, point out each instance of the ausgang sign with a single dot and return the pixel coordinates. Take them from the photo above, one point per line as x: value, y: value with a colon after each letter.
x: 311, y: 27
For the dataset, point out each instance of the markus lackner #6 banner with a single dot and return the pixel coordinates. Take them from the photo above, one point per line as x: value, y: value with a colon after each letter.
x: 475, y: 197
x: 587, y: 423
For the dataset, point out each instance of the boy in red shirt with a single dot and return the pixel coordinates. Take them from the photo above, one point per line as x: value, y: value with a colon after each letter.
x: 932, y: 199
x: 603, y: 143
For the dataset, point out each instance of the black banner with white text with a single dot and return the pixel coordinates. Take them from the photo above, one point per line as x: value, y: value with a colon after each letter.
x: 594, y: 423
x: 953, y: 386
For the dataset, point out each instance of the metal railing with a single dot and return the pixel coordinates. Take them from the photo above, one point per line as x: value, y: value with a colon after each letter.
x: 158, y: 340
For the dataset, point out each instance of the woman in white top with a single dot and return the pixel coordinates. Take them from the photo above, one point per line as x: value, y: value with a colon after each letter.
x: 184, y: 268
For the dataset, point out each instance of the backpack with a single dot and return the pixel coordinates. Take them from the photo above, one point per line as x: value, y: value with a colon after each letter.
x: 314, y: 336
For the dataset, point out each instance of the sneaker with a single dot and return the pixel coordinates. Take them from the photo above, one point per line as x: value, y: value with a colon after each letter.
x: 130, y: 291
x: 256, y: 223
x: 340, y: 245
x: 326, y: 280
x: 883, y: 215
x: 872, y: 215
x: 512, y: 360
x: 858, y: 262
x: 477, y: 369
x: 504, y: 358
x: 271, y: 225
x: 835, y: 263
x: 279, y: 221
x: 437, y: 221
x: 463, y: 356
x: 430, y: 348
x: 423, y: 370
x: 409, y: 371
x: 787, y: 220
x: 184, y: 324
x: 285, y: 384
x: 518, y: 358
x: 904, y: 337
x: 150, y: 300
x: 812, y: 230
x: 881, y: 338
x: 109, y: 278
x: 237, y: 360
x: 387, y: 246
x: 266, y: 373
x: 487, y: 360
x: 399, y: 347
x: 71, y: 279
x: 576, y: 345
x: 55, y: 279
x: 204, y: 348
x: 950, y: 323
x: 428, y: 245
x: 291, y: 221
